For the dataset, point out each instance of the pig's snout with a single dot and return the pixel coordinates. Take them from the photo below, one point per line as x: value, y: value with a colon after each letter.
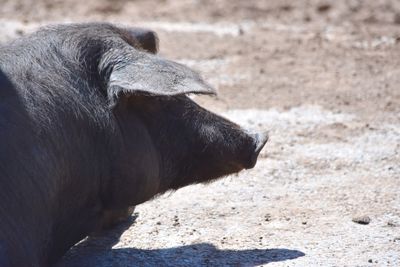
x: 259, y: 139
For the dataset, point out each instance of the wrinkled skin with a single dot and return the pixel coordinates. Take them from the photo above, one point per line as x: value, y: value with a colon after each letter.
x: 93, y: 123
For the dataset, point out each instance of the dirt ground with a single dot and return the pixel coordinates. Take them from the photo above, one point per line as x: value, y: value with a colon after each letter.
x: 323, y: 77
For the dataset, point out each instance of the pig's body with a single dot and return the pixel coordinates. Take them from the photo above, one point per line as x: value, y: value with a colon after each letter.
x: 91, y: 123
x: 56, y: 153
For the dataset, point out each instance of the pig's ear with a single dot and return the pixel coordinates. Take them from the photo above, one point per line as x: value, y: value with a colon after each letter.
x: 147, y: 39
x: 143, y: 73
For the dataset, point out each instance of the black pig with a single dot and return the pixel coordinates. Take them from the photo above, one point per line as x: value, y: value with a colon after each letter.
x: 93, y: 123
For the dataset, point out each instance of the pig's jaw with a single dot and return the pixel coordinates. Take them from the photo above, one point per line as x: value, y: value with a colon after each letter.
x: 208, y: 167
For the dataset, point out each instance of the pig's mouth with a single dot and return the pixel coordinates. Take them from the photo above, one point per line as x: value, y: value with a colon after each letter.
x: 260, y: 139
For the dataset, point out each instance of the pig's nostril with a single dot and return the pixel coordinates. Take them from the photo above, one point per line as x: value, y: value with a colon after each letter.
x: 260, y: 139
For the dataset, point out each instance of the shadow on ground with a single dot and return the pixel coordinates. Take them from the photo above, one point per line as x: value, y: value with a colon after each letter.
x: 97, y: 251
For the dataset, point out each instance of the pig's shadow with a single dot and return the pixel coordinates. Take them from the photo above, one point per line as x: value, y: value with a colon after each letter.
x: 97, y: 251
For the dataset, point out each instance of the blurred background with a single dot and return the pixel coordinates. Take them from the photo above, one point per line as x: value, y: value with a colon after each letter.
x: 323, y: 77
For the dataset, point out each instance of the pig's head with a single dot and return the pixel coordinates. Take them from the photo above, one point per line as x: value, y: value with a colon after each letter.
x: 192, y: 145
x: 167, y: 140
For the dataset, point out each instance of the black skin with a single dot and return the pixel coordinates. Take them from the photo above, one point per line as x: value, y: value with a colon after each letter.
x: 92, y: 124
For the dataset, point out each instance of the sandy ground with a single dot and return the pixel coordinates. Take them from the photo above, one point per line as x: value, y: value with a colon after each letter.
x: 323, y: 77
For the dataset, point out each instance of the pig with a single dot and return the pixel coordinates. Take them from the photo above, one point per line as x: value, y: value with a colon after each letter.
x: 92, y: 123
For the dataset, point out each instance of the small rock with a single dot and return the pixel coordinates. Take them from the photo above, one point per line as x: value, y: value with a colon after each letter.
x: 392, y: 223
x: 19, y: 31
x: 307, y: 18
x: 370, y: 260
x: 362, y: 219
x: 286, y: 8
x: 304, y: 222
x: 267, y: 217
x: 397, y: 18
x: 324, y: 8
x: 176, y: 221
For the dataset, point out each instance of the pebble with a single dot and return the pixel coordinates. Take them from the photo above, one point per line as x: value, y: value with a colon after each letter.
x: 392, y: 223
x: 397, y: 18
x: 176, y: 221
x: 362, y: 219
x: 324, y: 8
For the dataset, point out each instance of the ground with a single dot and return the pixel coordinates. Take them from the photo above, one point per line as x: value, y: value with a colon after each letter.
x: 323, y: 77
